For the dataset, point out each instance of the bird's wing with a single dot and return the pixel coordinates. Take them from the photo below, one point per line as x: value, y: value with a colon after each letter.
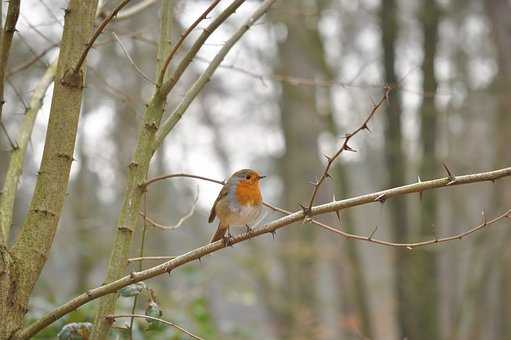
x: 221, y: 195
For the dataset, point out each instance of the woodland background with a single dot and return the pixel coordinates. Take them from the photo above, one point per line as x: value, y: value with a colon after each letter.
x: 301, y: 78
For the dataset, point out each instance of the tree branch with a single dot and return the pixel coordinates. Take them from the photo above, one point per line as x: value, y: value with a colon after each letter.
x: 96, y: 34
x: 182, y: 39
x: 345, y: 146
x: 5, y: 47
x: 190, y: 95
x: 271, y: 227
x: 169, y: 84
x: 113, y: 317
x: 15, y: 167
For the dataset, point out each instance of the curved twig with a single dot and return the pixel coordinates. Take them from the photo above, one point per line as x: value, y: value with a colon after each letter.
x: 113, y: 317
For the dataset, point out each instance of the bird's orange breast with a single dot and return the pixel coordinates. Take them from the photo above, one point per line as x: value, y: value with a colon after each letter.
x: 248, y: 193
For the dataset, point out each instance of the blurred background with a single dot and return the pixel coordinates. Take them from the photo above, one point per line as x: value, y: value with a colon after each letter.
x: 301, y: 78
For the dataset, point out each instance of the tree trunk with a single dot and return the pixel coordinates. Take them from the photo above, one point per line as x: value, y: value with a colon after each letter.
x: 297, y: 317
x: 423, y: 266
x: 395, y: 159
x: 21, y: 265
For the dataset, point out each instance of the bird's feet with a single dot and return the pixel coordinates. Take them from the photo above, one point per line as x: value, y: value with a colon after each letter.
x: 249, y: 230
x: 228, y: 239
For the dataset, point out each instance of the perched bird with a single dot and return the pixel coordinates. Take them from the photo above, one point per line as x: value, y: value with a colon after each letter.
x: 239, y: 203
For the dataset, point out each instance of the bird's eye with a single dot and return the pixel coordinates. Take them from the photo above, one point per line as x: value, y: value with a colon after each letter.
x: 248, y: 177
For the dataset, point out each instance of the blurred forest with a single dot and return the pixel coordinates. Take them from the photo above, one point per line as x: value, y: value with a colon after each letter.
x: 303, y: 76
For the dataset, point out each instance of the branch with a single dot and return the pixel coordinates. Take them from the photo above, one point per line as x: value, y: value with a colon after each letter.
x: 31, y: 62
x: 7, y: 34
x: 96, y: 34
x: 132, y: 62
x: 345, y: 146
x: 409, y: 246
x: 179, y: 222
x: 150, y: 258
x: 15, y: 168
x: 182, y: 39
x: 190, y: 95
x: 271, y: 227
x: 113, y: 317
x: 169, y: 84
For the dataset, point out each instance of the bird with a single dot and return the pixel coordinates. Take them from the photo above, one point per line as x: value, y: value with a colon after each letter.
x: 239, y: 203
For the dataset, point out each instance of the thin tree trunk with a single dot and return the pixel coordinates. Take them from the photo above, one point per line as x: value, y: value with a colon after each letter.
x: 499, y: 12
x: 297, y: 317
x: 424, y: 266
x: 395, y: 159
x: 22, y: 264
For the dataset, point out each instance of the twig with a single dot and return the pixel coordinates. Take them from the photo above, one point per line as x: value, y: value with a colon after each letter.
x: 182, y: 39
x: 150, y: 258
x: 160, y: 178
x: 345, y: 146
x: 282, y: 222
x: 132, y: 62
x: 172, y: 80
x: 7, y: 34
x: 180, y: 221
x: 31, y: 62
x: 113, y: 317
x: 96, y: 34
x: 409, y: 246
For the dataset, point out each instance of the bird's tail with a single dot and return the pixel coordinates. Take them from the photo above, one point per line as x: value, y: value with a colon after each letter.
x: 219, y: 234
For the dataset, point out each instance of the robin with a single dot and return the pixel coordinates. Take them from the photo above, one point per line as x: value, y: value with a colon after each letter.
x: 239, y: 203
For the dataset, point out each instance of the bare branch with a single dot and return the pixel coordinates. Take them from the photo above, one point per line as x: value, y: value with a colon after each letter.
x: 150, y: 258
x: 180, y: 221
x: 270, y: 227
x: 190, y: 95
x: 345, y: 145
x: 182, y: 39
x: 113, y: 317
x: 96, y: 34
x: 169, y: 84
x: 132, y: 62
x: 5, y: 47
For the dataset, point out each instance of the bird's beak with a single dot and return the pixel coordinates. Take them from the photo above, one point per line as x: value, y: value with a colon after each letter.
x: 261, y: 177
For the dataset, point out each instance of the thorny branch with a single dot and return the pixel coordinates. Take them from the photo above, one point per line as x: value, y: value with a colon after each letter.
x: 271, y: 227
x: 344, y: 147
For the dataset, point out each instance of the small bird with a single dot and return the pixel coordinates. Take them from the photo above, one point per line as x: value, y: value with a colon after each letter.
x: 239, y: 203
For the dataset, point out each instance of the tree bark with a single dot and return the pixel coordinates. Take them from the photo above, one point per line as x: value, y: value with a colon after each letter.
x: 21, y: 265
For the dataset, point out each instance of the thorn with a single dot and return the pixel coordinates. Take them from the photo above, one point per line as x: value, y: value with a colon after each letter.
x: 199, y: 259
x: 305, y: 210
x: 409, y: 248
x: 327, y: 175
x: 328, y: 158
x: 273, y: 233
x: 485, y: 222
x: 381, y: 198
x: 450, y: 176
x: 314, y: 183
x: 366, y: 127
x: 419, y: 179
x: 370, y: 237
x: 348, y: 148
x: 338, y: 213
